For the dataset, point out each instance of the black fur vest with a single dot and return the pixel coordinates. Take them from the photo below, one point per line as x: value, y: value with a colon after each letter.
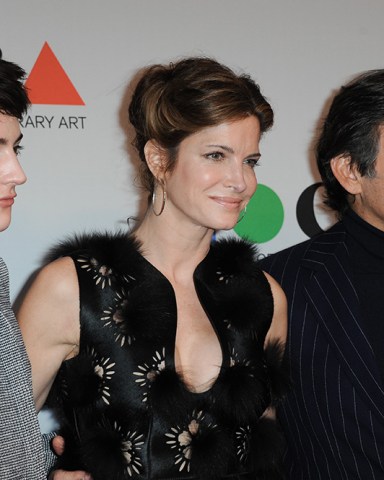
x: 126, y: 412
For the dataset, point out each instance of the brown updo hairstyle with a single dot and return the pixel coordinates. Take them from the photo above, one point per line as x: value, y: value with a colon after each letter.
x: 173, y: 101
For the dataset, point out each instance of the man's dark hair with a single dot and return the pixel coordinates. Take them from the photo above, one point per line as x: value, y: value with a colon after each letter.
x: 13, y: 95
x: 352, y: 129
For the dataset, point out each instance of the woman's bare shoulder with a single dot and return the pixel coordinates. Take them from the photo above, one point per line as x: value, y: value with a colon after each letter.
x: 58, y: 278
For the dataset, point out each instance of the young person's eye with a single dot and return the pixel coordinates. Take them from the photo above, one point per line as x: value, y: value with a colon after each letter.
x: 17, y: 149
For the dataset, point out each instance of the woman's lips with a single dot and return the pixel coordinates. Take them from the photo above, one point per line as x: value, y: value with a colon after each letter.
x: 228, y: 202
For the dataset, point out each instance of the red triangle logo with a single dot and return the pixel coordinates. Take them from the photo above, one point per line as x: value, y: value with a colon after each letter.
x: 48, y: 84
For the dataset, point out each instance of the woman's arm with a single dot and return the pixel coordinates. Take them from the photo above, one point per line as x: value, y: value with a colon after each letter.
x: 49, y: 322
x: 278, y: 329
x: 277, y: 332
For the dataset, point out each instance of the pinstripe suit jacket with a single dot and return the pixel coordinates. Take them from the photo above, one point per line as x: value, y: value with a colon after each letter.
x: 21, y: 450
x: 334, y: 416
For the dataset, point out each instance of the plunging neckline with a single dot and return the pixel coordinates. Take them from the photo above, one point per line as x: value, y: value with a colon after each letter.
x: 170, y: 358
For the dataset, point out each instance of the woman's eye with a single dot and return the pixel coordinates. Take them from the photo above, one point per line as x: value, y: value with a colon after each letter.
x: 252, y: 162
x: 215, y: 155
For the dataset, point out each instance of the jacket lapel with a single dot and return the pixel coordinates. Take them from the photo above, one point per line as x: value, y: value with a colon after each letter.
x: 334, y: 302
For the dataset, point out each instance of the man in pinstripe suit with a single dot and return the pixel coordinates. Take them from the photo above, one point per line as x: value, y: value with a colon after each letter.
x: 22, y: 456
x: 334, y: 416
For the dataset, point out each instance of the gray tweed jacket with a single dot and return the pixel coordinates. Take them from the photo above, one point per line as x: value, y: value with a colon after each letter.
x: 21, y: 447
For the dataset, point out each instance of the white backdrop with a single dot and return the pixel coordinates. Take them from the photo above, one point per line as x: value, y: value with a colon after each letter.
x: 81, y: 178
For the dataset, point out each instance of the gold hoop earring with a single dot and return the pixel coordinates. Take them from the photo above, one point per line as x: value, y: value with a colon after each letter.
x: 242, y: 214
x: 163, y: 202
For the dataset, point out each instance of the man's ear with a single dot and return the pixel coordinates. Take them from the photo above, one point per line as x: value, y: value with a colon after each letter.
x: 346, y: 174
x: 155, y: 157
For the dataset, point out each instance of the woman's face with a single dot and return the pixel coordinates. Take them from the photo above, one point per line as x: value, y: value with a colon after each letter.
x: 214, y: 176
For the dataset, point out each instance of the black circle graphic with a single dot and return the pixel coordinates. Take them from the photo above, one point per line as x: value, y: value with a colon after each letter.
x: 305, y: 211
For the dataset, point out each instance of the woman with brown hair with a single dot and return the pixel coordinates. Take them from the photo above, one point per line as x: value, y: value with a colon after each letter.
x: 163, y: 345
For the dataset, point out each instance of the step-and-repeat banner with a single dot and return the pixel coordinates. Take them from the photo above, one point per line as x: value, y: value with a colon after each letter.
x: 81, y: 57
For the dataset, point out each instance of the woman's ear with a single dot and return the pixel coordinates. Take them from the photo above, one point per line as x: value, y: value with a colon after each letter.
x: 346, y: 174
x: 155, y: 157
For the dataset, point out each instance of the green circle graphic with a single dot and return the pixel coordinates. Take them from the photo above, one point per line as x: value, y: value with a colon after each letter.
x: 264, y: 217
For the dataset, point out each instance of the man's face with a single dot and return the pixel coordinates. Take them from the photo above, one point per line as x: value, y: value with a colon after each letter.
x: 369, y: 203
x: 11, y: 173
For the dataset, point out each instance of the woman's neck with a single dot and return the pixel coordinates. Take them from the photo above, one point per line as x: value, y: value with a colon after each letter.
x: 174, y: 249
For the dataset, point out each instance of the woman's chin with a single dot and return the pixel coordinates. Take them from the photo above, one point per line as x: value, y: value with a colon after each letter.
x: 224, y: 225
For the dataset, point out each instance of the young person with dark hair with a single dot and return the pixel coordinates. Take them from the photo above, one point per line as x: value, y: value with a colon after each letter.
x: 166, y: 347
x: 334, y: 416
x: 21, y: 449
x: 22, y: 454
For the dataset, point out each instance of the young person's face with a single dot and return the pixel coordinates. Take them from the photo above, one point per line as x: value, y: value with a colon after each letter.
x: 214, y: 176
x: 11, y: 173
